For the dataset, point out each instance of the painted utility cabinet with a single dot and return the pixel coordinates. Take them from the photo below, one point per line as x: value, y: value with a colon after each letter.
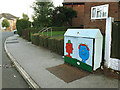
x: 83, y: 48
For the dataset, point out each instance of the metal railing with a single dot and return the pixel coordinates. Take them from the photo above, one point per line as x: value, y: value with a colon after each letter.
x: 47, y: 29
x: 42, y: 29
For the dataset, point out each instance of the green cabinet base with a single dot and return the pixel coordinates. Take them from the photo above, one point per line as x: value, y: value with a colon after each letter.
x: 75, y: 62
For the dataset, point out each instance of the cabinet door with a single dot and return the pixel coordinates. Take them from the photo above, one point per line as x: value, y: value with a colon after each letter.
x: 79, y: 52
x: 85, y: 50
x: 70, y: 46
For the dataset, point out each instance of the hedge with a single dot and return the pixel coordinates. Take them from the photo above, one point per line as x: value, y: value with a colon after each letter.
x: 55, y: 45
x: 35, y: 39
x: 59, y: 28
x: 26, y: 34
x: 60, y: 46
x: 65, y: 28
x: 22, y: 24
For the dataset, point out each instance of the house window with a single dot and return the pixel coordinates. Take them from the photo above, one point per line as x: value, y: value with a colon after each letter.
x: 94, y: 13
x: 99, y: 12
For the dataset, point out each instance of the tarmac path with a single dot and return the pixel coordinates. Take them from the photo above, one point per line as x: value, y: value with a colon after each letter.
x: 10, y: 76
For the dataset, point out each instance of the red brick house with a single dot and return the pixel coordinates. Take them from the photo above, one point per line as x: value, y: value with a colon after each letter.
x: 83, y: 8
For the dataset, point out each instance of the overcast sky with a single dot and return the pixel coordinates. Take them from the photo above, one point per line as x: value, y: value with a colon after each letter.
x: 17, y: 7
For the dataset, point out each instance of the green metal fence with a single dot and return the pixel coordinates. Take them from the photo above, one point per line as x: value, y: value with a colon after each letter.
x: 115, y: 44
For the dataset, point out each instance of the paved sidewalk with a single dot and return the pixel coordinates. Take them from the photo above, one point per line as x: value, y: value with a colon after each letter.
x: 36, y: 59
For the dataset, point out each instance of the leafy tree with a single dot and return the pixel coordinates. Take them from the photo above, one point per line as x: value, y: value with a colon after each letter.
x: 5, y: 23
x: 22, y: 24
x: 25, y: 17
x: 63, y: 16
x: 42, y: 13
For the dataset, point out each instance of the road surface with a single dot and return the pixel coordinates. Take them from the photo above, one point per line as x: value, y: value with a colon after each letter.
x: 10, y: 77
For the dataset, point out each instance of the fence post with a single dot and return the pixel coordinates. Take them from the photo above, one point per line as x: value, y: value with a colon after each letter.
x: 108, y: 40
x: 110, y: 62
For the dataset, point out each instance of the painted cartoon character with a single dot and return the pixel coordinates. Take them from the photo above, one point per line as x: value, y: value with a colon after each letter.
x: 83, y: 52
x: 69, y: 48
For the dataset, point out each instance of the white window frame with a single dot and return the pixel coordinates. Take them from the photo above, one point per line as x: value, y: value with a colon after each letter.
x: 102, y: 9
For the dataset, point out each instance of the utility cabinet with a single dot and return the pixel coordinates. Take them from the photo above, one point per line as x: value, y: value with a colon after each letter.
x: 83, y: 48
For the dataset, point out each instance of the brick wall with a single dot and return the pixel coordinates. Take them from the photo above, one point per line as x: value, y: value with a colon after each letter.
x: 84, y: 15
x: 79, y: 20
x: 88, y: 23
x: 80, y: 14
x: 68, y: 6
x: 119, y: 12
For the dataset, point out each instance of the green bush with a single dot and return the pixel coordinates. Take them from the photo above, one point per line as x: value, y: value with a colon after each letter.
x: 22, y: 24
x: 45, y: 39
x: 26, y: 34
x: 55, y: 45
x: 65, y: 28
x: 59, y: 28
x: 50, y: 43
x: 35, y: 39
x: 60, y: 46
x: 5, y: 23
x: 41, y: 41
x: 34, y: 30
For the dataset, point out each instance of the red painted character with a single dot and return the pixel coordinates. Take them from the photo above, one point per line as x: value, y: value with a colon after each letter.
x: 69, y: 48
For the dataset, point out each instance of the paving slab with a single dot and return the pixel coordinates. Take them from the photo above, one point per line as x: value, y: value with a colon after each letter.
x: 35, y: 59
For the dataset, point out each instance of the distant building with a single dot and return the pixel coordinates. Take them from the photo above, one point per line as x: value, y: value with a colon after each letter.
x: 12, y: 20
x: 83, y: 8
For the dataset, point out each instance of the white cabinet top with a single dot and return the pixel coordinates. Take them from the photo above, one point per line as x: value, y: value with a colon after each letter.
x: 85, y: 33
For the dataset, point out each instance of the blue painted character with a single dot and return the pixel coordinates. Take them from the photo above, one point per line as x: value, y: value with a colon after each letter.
x: 83, y: 52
